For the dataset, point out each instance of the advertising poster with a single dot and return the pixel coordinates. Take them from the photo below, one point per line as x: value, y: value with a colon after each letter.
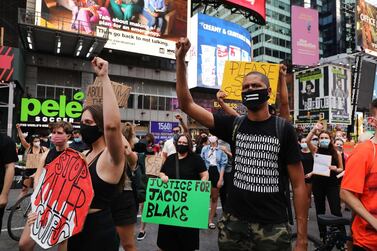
x: 39, y: 113
x: 256, y: 7
x: 182, y: 203
x: 340, y: 87
x: 366, y: 26
x: 61, y: 199
x: 148, y: 27
x: 6, y: 63
x: 215, y: 41
x: 323, y: 93
x: 311, y: 99
x: 305, y: 36
x: 162, y: 131
x: 235, y: 72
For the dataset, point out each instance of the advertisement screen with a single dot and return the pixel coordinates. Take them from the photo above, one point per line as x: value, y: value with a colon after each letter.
x: 366, y: 30
x: 148, y: 27
x: 162, y: 131
x: 215, y: 41
x: 305, y: 36
x: 257, y: 7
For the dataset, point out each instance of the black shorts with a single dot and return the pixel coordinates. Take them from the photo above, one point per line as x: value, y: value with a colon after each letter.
x: 214, y: 175
x: 123, y: 209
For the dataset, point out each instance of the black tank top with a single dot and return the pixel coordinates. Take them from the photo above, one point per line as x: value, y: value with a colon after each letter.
x: 104, y: 192
x: 51, y: 155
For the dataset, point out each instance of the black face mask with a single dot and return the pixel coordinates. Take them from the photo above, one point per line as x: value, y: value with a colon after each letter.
x: 182, y: 149
x: 90, y: 134
x: 254, y: 99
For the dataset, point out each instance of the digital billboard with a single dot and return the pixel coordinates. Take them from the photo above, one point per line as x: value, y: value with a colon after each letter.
x: 305, y: 36
x: 215, y: 41
x: 256, y: 7
x: 323, y: 93
x: 366, y: 30
x: 148, y: 27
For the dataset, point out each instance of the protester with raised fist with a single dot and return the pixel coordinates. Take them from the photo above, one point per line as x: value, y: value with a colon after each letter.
x: 326, y: 187
x: 258, y: 193
x: 101, y: 131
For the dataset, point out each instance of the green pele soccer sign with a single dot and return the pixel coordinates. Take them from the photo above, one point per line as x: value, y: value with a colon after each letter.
x: 181, y: 203
x: 36, y: 111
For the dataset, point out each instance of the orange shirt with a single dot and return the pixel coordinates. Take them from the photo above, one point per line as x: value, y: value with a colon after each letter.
x: 361, y: 178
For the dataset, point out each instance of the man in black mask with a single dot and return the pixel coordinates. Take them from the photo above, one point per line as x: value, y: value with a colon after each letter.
x: 263, y: 156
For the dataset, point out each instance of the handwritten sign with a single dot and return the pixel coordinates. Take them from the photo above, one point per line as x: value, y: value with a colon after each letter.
x: 234, y: 73
x: 61, y: 199
x: 153, y: 165
x: 322, y: 164
x: 33, y: 160
x: 181, y: 203
x: 94, y: 93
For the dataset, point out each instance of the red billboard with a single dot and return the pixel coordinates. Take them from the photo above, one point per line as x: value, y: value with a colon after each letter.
x: 6, y: 63
x: 256, y: 7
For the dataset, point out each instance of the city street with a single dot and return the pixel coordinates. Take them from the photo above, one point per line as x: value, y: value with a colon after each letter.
x: 208, y: 238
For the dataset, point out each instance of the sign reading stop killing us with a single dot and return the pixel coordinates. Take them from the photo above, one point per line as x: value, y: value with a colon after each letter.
x: 61, y: 199
x: 182, y: 203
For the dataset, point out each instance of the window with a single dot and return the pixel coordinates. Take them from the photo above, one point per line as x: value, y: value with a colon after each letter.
x: 153, y: 102
x: 54, y: 92
x: 168, y: 104
x: 130, y: 103
x: 161, y: 103
x: 41, y: 91
x: 140, y: 102
x: 50, y: 92
x: 147, y: 102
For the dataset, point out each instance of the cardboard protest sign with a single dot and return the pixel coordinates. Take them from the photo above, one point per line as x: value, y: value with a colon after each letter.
x: 94, y: 93
x: 181, y: 203
x: 33, y: 160
x: 235, y: 71
x: 153, y: 165
x: 61, y: 199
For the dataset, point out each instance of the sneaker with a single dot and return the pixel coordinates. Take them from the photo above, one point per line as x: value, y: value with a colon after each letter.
x: 141, y: 236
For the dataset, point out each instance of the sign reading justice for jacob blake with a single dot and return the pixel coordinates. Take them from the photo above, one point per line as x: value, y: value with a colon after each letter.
x: 182, y: 203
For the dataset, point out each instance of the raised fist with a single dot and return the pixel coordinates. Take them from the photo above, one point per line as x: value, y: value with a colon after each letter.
x: 182, y: 47
x: 100, y: 66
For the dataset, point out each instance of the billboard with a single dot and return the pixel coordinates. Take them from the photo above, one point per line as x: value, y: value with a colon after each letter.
x: 162, y: 131
x: 323, y: 93
x: 148, y: 27
x: 256, y: 7
x: 215, y: 41
x: 39, y: 113
x: 305, y: 36
x: 366, y: 30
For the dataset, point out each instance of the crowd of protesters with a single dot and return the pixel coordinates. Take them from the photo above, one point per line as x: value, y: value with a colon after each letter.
x: 249, y: 159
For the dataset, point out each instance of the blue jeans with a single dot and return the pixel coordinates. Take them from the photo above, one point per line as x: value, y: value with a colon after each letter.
x: 159, y: 21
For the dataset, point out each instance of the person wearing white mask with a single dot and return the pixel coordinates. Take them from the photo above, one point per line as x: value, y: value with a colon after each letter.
x: 33, y: 152
x: 216, y: 161
x: 307, y: 162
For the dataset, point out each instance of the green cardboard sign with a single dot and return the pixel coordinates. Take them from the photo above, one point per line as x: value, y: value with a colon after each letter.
x: 182, y: 203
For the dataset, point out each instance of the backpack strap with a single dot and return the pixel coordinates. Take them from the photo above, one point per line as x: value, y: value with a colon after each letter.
x: 280, y: 129
x: 236, y: 125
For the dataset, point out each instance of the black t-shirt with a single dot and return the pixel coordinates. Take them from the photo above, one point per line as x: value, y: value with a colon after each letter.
x: 189, y: 167
x: 51, y: 155
x: 8, y: 154
x: 323, y: 181
x: 307, y: 160
x: 256, y: 193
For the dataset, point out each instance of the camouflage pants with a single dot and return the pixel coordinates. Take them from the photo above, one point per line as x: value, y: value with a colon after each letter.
x: 236, y: 235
